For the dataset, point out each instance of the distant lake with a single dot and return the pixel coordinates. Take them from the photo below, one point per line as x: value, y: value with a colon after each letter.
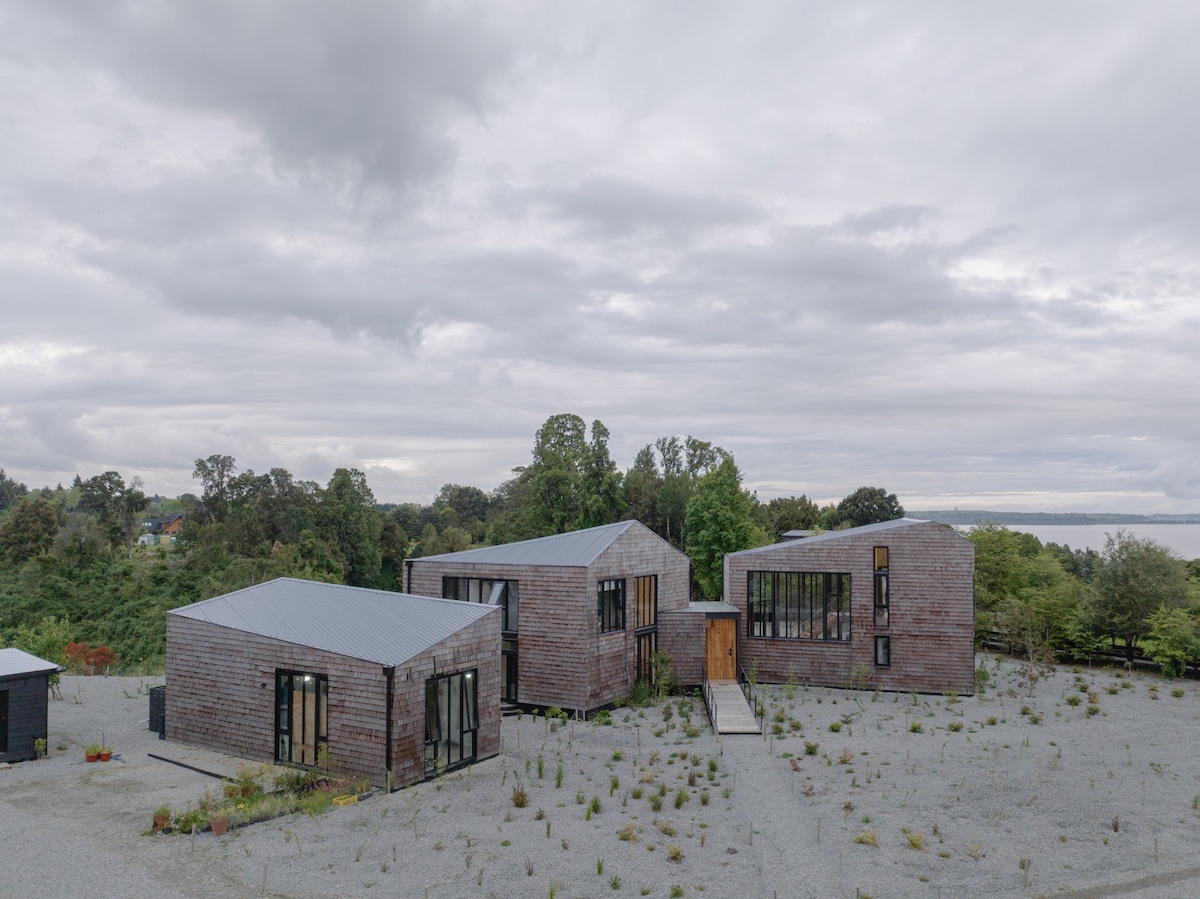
x: 1183, y: 538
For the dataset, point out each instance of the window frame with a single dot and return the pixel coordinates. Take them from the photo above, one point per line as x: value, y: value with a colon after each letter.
x: 610, y: 605
x: 779, y: 603
x: 465, y: 588
x: 883, y: 642
x: 882, y: 588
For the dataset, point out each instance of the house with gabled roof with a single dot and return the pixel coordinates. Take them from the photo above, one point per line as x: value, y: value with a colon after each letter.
x: 24, y: 703
x: 391, y: 687
x: 888, y: 605
x: 169, y: 525
x: 580, y: 610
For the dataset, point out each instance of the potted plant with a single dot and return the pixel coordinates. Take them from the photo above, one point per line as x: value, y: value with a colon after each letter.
x: 92, y: 753
x: 105, y: 753
x: 162, y: 817
x: 220, y: 821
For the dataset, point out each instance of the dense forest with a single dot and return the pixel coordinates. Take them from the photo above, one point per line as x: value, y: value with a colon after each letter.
x: 76, y: 586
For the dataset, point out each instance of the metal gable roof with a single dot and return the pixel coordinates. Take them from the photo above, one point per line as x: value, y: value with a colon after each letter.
x: 828, y: 536
x: 574, y: 549
x: 375, y: 625
x: 15, y: 662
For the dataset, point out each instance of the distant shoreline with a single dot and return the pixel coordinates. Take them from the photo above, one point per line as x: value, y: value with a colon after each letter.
x: 973, y: 516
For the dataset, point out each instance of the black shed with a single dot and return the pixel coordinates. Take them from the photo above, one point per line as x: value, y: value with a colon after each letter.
x: 24, y: 692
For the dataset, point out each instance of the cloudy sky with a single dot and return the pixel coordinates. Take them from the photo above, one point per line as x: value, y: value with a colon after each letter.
x: 948, y: 249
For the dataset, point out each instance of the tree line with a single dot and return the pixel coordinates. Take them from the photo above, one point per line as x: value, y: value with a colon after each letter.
x: 70, y: 567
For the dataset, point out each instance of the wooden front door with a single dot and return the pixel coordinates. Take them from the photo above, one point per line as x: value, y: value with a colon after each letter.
x: 721, y: 648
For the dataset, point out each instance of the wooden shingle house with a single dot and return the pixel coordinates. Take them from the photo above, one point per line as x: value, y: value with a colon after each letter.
x: 888, y: 605
x: 24, y: 703
x: 581, y: 609
x: 385, y: 683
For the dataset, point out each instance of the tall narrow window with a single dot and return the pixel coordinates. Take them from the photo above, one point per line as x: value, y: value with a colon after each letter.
x: 645, y: 601
x: 882, y: 597
x: 301, y: 717
x: 3, y: 721
x: 610, y: 605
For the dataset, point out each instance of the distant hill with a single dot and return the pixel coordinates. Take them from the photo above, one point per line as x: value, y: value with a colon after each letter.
x: 975, y: 516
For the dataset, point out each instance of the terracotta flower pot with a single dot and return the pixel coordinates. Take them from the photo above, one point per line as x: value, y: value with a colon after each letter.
x: 219, y: 826
x: 161, y: 822
x: 92, y: 756
x: 106, y: 756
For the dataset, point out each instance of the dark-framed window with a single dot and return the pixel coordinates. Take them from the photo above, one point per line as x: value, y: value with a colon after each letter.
x: 883, y: 651
x: 301, y: 717
x: 493, y: 591
x: 798, y: 605
x: 645, y: 600
x: 882, y: 594
x: 451, y: 720
x: 3, y: 721
x: 610, y: 605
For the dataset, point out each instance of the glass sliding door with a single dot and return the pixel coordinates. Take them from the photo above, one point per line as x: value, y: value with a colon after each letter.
x: 451, y: 721
x: 301, y: 717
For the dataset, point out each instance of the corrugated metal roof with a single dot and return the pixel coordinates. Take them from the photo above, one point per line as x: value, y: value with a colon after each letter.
x: 575, y: 549
x: 375, y: 625
x: 14, y: 662
x: 836, y: 535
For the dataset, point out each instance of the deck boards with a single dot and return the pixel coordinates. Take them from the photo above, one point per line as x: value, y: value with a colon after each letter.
x: 733, y: 712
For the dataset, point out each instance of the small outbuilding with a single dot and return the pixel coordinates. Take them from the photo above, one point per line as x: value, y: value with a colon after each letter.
x: 888, y: 606
x: 294, y: 672
x: 24, y: 703
x: 581, y: 609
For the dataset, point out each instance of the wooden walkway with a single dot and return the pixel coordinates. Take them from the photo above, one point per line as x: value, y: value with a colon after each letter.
x: 731, y: 710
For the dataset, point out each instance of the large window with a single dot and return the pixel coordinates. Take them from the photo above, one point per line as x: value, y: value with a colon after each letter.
x: 645, y: 593
x: 610, y: 605
x: 301, y: 717
x: 485, y: 590
x: 451, y: 721
x: 883, y: 651
x: 882, y: 596
x: 799, y: 605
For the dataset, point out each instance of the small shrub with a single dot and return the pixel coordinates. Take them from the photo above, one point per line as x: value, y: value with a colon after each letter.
x: 867, y: 838
x: 1073, y: 700
x: 835, y: 726
x: 916, y: 728
x: 674, y: 853
x: 810, y: 748
x: 1177, y: 692
x: 915, y: 839
x: 520, y: 798
x: 954, y: 726
x: 628, y: 834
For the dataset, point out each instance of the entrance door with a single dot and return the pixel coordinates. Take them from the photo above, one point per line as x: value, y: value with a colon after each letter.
x: 720, y: 654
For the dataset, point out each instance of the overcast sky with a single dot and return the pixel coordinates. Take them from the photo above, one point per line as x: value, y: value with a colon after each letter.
x: 948, y: 249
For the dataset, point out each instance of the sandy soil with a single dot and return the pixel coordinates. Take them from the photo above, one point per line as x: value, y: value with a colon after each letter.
x: 967, y: 798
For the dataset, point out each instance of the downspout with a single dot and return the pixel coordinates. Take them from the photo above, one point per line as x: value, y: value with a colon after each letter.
x: 390, y: 675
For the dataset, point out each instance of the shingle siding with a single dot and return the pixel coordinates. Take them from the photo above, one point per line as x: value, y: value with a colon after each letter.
x: 932, y: 614
x: 221, y: 694
x: 563, y: 659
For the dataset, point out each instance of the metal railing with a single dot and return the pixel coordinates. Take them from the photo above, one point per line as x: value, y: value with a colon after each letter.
x: 751, y: 697
x: 710, y: 701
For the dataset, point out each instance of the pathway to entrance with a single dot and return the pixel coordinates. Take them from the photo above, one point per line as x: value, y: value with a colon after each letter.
x: 730, y: 710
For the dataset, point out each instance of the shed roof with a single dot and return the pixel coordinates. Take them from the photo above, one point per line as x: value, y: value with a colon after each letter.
x: 574, y: 549
x: 15, y: 662
x: 828, y: 536
x: 375, y: 625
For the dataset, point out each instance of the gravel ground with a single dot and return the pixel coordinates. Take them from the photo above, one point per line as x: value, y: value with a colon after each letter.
x: 1077, y: 805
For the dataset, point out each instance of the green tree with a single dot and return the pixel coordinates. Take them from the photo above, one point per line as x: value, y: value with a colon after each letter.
x: 118, y: 506
x: 866, y: 505
x: 602, y: 501
x: 10, y: 490
x: 1135, y: 578
x: 1173, y: 641
x: 791, y: 513
x: 719, y: 521
x: 642, y: 484
x: 351, y: 524
x: 28, y: 531
x: 214, y: 474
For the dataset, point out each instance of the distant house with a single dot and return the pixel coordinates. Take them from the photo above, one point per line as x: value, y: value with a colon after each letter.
x: 24, y: 694
x: 384, y: 682
x: 887, y: 605
x: 169, y: 525
x: 581, y: 609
